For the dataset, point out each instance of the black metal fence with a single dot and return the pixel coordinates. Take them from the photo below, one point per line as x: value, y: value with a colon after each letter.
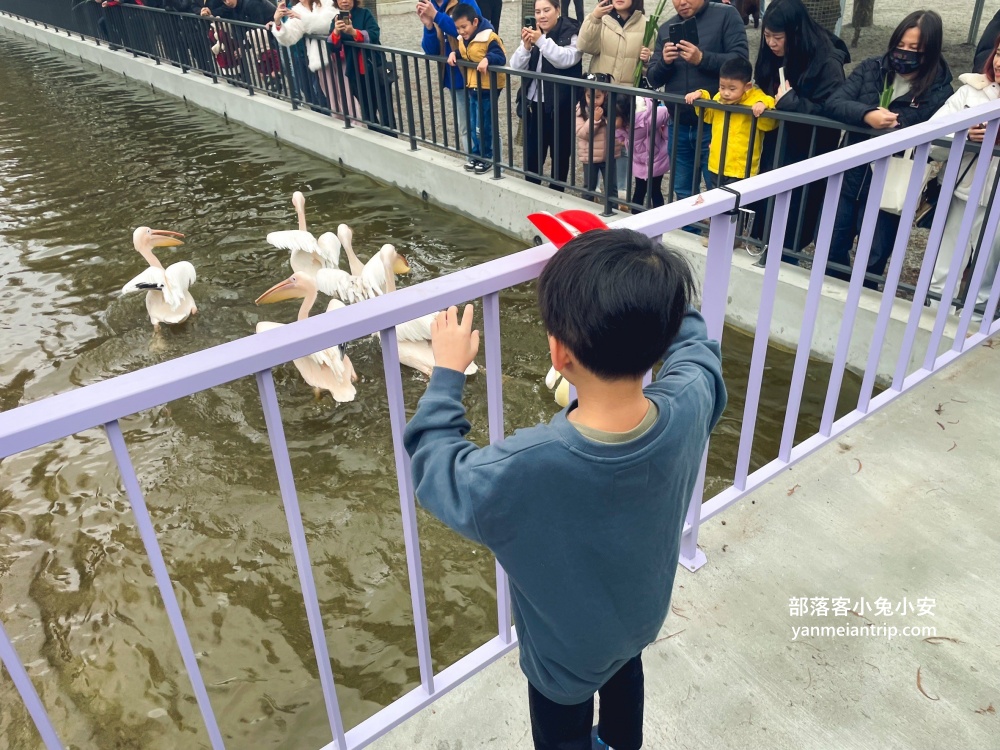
x: 399, y: 93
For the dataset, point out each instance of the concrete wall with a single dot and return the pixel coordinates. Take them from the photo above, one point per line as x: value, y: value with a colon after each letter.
x: 502, y: 204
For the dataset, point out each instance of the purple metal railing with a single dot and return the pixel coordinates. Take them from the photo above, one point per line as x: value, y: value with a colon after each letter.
x: 104, y: 403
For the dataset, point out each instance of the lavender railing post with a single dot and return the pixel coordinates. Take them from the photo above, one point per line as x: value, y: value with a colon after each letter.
x: 985, y: 251
x: 714, y: 297
x: 163, y: 583
x: 948, y: 182
x: 300, y: 550
x: 494, y: 406
x: 816, y: 277
x: 761, y: 337
x: 896, y: 262
x: 9, y: 658
x: 962, y: 241
x: 397, y: 419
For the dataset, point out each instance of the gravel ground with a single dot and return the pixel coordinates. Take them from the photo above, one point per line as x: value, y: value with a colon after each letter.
x: 401, y: 29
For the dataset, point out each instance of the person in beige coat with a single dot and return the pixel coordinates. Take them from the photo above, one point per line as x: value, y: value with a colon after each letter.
x: 612, y: 33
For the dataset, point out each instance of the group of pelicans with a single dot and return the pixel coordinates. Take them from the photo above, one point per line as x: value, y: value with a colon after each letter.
x: 315, y: 264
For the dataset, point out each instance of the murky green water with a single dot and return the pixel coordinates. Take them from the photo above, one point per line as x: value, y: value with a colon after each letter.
x: 84, y: 158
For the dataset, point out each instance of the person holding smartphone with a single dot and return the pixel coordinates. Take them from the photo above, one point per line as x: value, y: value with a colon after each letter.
x: 612, y: 33
x: 681, y: 65
x: 548, y: 46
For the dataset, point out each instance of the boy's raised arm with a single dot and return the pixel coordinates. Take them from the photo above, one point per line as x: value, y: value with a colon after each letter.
x: 692, y: 356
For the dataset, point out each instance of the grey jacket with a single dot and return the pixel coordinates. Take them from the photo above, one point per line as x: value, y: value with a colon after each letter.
x: 721, y: 36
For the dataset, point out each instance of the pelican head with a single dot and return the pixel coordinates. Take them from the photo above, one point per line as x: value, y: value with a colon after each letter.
x: 296, y: 286
x: 394, y: 260
x: 298, y: 199
x: 145, y: 238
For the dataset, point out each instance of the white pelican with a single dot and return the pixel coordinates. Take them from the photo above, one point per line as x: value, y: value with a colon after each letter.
x: 367, y: 279
x: 329, y: 369
x: 414, y: 336
x: 308, y: 254
x: 167, y: 297
x: 555, y: 381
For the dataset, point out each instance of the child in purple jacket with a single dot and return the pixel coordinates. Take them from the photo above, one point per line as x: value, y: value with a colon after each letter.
x: 649, y: 137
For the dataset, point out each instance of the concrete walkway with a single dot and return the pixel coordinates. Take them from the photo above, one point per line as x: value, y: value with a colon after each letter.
x: 903, y: 506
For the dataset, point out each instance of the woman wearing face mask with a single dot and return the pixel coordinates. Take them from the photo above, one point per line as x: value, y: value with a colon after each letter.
x: 978, y: 88
x: 812, y: 61
x: 547, y: 107
x: 921, y: 82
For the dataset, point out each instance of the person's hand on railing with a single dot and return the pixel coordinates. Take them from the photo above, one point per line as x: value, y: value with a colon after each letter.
x: 692, y: 97
x: 451, y: 58
x: 602, y: 9
x: 670, y: 52
x: 758, y: 108
x: 205, y: 12
x: 483, y: 66
x: 453, y: 342
x: 881, y: 119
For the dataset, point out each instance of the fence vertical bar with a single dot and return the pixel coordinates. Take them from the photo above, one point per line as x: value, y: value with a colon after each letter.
x: 494, y: 406
x: 714, y: 297
x: 163, y: 583
x: 10, y: 659
x: 759, y: 356
x: 397, y: 419
x: 300, y: 550
x: 410, y: 127
x: 816, y: 277
x: 865, y: 240
x: 896, y: 262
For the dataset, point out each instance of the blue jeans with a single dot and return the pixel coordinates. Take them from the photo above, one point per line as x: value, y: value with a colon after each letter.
x: 480, y: 124
x: 683, y: 166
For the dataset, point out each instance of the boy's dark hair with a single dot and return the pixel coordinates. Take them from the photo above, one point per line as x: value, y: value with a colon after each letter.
x: 737, y: 69
x: 466, y: 11
x: 616, y: 299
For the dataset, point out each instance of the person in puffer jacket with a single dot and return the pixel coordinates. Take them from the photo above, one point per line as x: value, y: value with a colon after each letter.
x: 646, y: 134
x: 919, y: 80
x: 978, y: 88
x: 315, y: 18
x: 592, y: 136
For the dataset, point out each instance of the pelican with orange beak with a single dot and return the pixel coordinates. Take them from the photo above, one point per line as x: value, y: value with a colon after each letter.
x: 414, y: 336
x: 327, y: 370
x: 167, y: 297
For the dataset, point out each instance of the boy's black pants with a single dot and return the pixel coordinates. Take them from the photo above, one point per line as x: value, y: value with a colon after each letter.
x: 558, y: 727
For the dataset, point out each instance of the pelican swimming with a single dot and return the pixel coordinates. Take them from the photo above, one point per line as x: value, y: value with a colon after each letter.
x: 308, y: 255
x: 329, y: 369
x: 366, y: 280
x: 167, y: 297
x: 414, y: 336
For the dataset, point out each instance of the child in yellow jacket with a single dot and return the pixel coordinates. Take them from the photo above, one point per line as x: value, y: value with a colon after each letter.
x: 735, y: 87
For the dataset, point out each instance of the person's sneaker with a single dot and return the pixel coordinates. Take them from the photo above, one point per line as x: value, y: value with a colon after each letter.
x: 470, y: 165
x: 597, y: 743
x: 482, y: 167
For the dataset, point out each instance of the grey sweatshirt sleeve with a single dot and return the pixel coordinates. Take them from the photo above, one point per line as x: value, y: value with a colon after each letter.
x: 441, y: 458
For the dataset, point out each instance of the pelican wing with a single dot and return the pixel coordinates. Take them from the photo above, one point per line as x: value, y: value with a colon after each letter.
x: 328, y: 248
x: 149, y: 280
x: 418, y: 329
x: 179, y: 276
x: 340, y: 285
x: 293, y: 239
x: 373, y: 277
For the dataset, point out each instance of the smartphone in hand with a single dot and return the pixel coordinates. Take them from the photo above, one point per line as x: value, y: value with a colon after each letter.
x: 529, y: 22
x: 344, y: 16
x: 676, y: 32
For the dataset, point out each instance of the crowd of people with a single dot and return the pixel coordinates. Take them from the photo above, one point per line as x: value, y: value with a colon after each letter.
x: 629, y: 144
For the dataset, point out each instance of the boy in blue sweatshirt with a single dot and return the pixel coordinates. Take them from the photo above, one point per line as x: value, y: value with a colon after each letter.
x: 585, y: 513
x: 478, y: 44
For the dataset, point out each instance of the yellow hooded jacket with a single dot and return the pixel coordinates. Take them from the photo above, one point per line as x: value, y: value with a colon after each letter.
x: 474, y: 51
x: 738, y: 144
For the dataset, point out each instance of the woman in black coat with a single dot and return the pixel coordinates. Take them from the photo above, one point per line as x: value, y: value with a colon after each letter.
x: 921, y: 83
x: 813, y: 61
x: 366, y: 69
